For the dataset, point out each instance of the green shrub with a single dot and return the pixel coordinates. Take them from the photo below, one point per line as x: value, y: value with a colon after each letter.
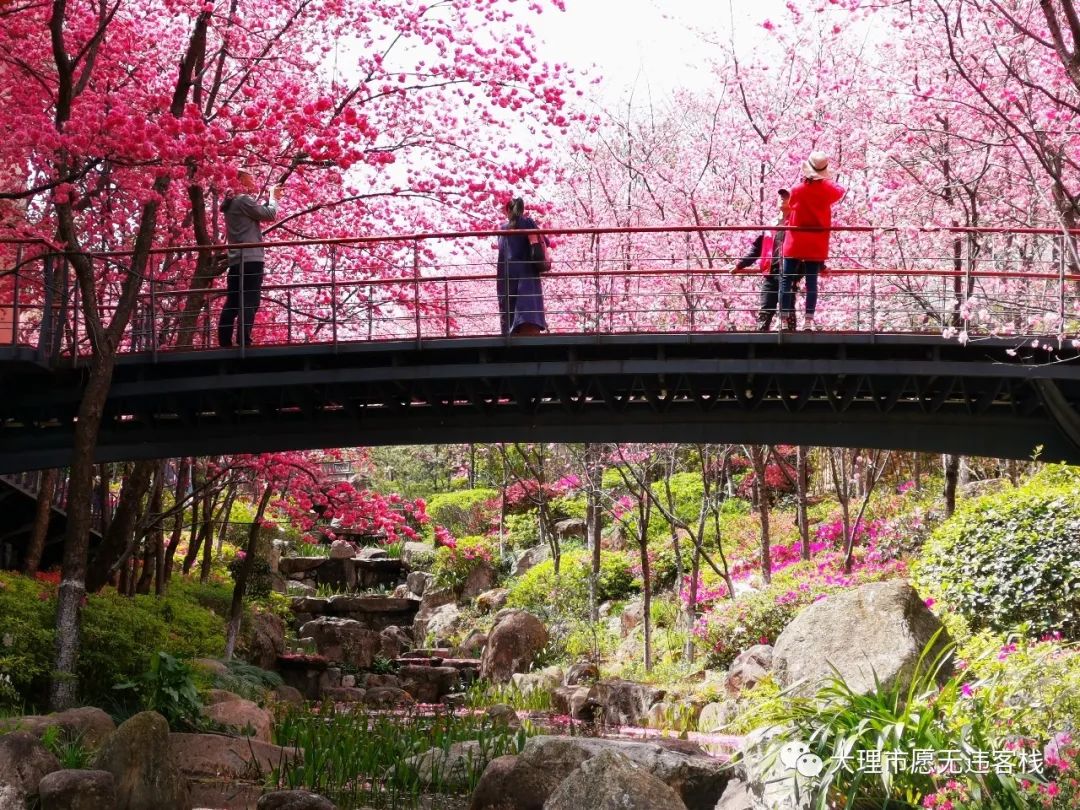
x: 537, y: 589
x: 453, y: 565
x: 466, y: 512
x: 27, y: 608
x: 523, y: 530
x: 260, y: 581
x: 119, y: 632
x: 168, y: 688
x: 248, y: 681
x: 570, y: 507
x: 1011, y: 557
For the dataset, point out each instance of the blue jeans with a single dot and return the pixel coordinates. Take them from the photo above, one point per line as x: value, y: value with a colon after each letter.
x: 794, y: 269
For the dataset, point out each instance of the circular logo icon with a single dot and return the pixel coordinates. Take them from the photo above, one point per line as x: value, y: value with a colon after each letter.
x: 809, y: 765
x: 790, y: 753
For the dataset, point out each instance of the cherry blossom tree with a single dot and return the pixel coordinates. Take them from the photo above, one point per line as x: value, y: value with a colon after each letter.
x: 131, y: 119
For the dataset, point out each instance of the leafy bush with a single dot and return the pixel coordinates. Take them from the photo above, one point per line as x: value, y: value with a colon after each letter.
x: 118, y: 632
x: 1012, y: 557
x: 453, y: 564
x: 523, y: 530
x: 466, y: 512
x: 27, y: 608
x: 168, y: 688
x: 260, y: 581
x: 968, y: 714
x: 538, y: 590
x: 249, y: 681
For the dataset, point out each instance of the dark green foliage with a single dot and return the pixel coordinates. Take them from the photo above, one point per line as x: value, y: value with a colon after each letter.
x: 27, y: 608
x: 1012, y: 557
x: 248, y: 681
x: 117, y: 634
x: 468, y: 511
x: 69, y: 750
x: 168, y: 688
x: 260, y: 581
x: 361, y: 760
x: 538, y: 590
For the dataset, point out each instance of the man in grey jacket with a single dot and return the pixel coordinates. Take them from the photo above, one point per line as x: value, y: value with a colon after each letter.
x: 244, y: 291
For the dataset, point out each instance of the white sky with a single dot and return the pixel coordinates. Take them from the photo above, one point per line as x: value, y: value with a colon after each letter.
x: 649, y: 45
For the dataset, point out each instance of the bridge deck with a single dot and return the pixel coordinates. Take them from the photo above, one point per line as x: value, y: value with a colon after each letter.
x: 910, y: 392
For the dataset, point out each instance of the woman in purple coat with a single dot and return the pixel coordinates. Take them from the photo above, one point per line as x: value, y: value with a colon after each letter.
x: 521, y: 297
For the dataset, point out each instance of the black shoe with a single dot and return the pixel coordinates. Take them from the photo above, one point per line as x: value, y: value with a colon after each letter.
x: 764, y: 324
x: 787, y: 323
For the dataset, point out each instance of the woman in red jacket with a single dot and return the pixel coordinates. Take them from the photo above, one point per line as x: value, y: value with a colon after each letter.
x: 807, y: 246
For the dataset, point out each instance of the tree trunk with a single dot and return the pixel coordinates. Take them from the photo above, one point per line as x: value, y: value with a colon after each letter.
x: 208, y: 545
x: 153, y: 542
x: 236, y: 610
x: 121, y: 527
x: 646, y: 596
x: 72, y: 591
x: 104, y: 343
x: 593, y: 516
x: 758, y: 454
x: 802, y: 478
x: 952, y: 475
x: 42, y: 514
x: 226, y: 517
x: 178, y: 524
x: 196, y: 533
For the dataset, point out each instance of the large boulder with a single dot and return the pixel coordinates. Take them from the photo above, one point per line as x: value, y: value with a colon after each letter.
x: 544, y: 680
x: 530, y: 558
x: 343, y: 640
x: 215, y: 756
x: 627, y: 703
x: 582, y: 703
x: 492, y: 600
x: 429, y: 684
x: 748, y: 669
x: 143, y: 763
x: 512, y: 645
x: 418, y: 582
x: 449, y: 769
x: 242, y: 717
x: 481, y: 578
x: 77, y: 790
x: 699, y: 780
x: 264, y: 640
x: 24, y: 762
x: 610, y: 781
x: 393, y: 641
x: 342, y: 550
x: 87, y: 725
x: 878, y: 631
x: 512, y: 783
x: 294, y: 800
x: 777, y: 772
x: 443, y: 622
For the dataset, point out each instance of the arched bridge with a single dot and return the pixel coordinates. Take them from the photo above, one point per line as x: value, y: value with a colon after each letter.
x: 652, y: 353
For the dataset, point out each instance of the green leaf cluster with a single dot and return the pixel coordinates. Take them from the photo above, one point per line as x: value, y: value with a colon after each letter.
x: 1012, y: 557
x: 465, y: 512
x: 540, y: 591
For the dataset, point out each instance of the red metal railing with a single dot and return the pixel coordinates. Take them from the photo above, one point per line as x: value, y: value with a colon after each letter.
x: 973, y: 282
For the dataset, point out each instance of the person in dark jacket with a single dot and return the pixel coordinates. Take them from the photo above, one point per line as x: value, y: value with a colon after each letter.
x: 521, y: 296
x: 767, y: 253
x: 243, y: 214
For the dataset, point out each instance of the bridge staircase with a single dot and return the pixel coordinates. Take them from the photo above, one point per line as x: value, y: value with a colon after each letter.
x: 18, y: 501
